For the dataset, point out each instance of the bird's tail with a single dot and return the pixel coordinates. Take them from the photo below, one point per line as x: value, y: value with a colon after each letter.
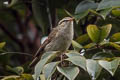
x: 34, y: 62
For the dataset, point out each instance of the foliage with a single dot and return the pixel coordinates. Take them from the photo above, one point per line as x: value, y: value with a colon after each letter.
x: 93, y: 55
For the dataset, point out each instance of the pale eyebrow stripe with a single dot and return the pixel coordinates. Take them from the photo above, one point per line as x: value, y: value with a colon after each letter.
x: 62, y: 21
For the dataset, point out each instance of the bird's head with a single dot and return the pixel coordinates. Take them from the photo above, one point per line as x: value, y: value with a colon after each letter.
x: 66, y: 22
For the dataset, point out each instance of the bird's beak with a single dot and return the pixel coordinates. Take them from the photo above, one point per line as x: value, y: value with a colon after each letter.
x: 71, y: 19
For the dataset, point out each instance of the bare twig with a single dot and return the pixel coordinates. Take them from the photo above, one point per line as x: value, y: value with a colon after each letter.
x: 49, y: 14
x: 21, y: 53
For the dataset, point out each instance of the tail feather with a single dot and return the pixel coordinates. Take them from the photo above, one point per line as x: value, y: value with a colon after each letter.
x: 34, y: 62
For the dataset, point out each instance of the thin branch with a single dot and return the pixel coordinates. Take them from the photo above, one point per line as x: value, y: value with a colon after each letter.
x: 4, y: 53
x: 49, y: 14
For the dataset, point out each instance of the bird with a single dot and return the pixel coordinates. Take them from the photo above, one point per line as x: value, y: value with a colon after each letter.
x: 59, y: 39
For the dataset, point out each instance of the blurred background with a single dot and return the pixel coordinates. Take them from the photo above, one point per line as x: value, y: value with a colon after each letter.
x: 24, y: 24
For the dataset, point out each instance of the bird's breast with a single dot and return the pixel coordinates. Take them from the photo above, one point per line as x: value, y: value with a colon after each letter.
x: 62, y: 41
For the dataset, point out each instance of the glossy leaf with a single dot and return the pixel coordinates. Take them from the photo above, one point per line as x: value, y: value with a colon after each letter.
x: 47, y: 54
x: 69, y: 72
x: 39, y: 66
x: 17, y: 70
x: 90, y: 45
x: 49, y: 69
x: 111, y: 66
x: 102, y: 55
x: 105, y: 12
x: 42, y: 77
x: 116, y: 46
x: 105, y: 31
x: 116, y: 12
x: 79, y: 61
x: 76, y: 45
x: 115, y: 37
x: 81, y: 15
x: 72, y: 54
x: 82, y: 39
x: 98, y: 35
x: 93, y: 68
x: 104, y: 4
x: 93, y: 33
x: 83, y: 8
x: 25, y: 77
x: 102, y: 13
x: 104, y: 42
x: 21, y: 77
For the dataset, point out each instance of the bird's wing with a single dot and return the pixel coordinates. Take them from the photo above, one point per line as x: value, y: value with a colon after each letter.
x: 41, y: 49
x: 47, y: 41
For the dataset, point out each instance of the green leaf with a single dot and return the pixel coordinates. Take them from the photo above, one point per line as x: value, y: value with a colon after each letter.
x: 42, y: 77
x: 2, y: 44
x: 72, y: 54
x: 18, y: 70
x: 47, y: 54
x: 41, y: 15
x: 83, y: 8
x: 93, y: 68
x: 69, y: 72
x: 25, y: 77
x: 90, y: 45
x: 105, y: 12
x: 49, y: 69
x: 81, y: 15
x: 76, y: 45
x: 104, y: 4
x: 98, y: 35
x: 102, y: 55
x: 116, y: 46
x: 79, y: 61
x: 93, y: 33
x: 39, y: 66
x: 105, y: 42
x: 21, y: 77
x: 115, y: 37
x: 111, y: 66
x: 82, y: 39
x: 116, y: 12
x: 105, y: 31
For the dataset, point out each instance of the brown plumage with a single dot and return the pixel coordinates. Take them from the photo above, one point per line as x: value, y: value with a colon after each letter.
x: 58, y: 40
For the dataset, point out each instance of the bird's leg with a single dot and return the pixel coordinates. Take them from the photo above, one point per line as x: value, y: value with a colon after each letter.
x: 62, y: 57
